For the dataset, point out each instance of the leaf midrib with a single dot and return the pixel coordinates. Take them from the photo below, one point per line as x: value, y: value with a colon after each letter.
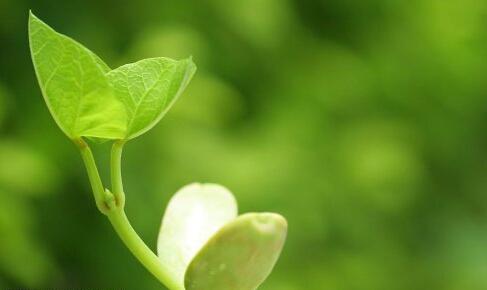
x: 141, y: 99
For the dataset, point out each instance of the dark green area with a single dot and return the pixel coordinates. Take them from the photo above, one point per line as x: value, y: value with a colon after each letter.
x: 363, y: 122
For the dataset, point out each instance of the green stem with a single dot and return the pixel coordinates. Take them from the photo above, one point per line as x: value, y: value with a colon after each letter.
x: 116, y: 172
x: 112, y: 205
x: 138, y: 248
x: 93, y: 175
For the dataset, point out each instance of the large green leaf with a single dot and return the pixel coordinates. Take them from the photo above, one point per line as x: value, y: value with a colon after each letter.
x: 239, y: 256
x: 74, y: 85
x: 193, y: 215
x: 148, y: 88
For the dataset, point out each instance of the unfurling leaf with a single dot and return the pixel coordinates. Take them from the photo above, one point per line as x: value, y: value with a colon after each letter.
x: 148, y: 88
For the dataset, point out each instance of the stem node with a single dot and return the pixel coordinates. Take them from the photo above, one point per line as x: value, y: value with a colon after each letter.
x: 111, y: 204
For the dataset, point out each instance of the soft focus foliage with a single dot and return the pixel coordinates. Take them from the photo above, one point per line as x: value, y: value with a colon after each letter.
x: 362, y: 122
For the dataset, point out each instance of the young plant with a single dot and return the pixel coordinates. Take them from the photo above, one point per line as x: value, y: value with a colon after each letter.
x: 203, y: 244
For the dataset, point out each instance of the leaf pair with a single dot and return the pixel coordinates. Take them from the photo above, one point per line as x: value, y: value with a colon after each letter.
x: 205, y: 246
x: 87, y: 98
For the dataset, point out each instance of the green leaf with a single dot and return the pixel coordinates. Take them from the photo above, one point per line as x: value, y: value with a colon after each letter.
x: 239, y: 256
x: 193, y: 215
x: 148, y: 88
x: 74, y: 85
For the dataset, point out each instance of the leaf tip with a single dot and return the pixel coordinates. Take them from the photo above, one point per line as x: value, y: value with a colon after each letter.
x: 269, y: 223
x: 33, y: 19
x: 32, y: 16
x: 190, y: 64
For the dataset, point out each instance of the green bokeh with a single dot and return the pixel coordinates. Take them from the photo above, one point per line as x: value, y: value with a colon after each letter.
x: 363, y: 122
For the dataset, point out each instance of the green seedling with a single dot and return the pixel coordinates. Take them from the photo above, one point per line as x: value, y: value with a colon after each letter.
x: 203, y: 244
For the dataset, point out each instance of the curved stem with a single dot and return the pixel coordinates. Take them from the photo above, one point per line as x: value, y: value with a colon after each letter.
x: 93, y: 175
x: 138, y: 248
x: 112, y: 205
x: 123, y: 227
x: 116, y: 172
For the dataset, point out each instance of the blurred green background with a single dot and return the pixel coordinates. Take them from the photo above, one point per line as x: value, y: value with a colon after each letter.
x: 363, y: 122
